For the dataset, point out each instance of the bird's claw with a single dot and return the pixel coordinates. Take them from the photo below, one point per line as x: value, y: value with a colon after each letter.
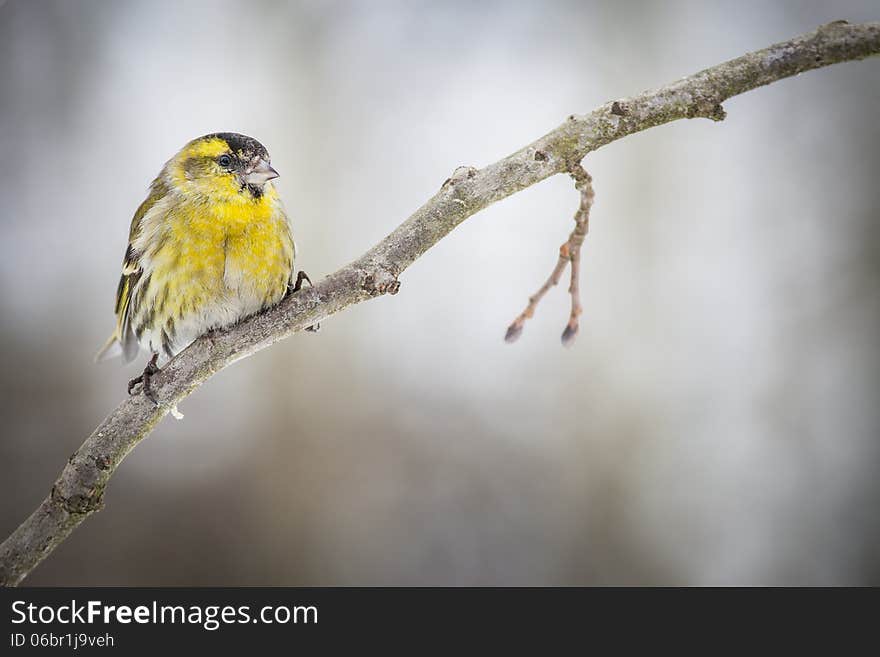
x: 145, y: 380
x: 300, y: 277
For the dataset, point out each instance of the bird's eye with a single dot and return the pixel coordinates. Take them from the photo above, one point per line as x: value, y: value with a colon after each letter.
x: 224, y: 161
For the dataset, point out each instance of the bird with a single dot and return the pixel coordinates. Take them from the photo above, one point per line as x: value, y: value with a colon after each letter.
x: 210, y: 245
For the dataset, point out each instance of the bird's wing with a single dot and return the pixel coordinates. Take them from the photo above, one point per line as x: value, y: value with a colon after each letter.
x: 132, y: 270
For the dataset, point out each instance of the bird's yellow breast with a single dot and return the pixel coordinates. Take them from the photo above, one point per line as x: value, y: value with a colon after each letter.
x: 215, y: 263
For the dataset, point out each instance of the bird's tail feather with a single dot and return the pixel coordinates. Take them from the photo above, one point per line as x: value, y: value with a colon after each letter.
x: 111, y: 349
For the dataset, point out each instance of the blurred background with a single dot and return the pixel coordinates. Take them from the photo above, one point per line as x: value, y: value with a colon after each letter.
x: 715, y: 423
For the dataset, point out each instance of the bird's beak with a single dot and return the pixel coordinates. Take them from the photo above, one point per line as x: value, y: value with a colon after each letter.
x: 260, y: 173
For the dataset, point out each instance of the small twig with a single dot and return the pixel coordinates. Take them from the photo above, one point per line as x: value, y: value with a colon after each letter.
x: 516, y: 327
x: 569, y: 252
x: 584, y: 184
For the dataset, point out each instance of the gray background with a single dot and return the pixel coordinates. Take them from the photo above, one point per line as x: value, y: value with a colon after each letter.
x: 716, y: 422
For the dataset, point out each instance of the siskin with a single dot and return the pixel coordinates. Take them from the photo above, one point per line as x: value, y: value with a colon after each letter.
x: 209, y: 246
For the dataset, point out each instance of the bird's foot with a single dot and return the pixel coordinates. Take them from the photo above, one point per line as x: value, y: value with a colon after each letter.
x: 297, y: 286
x: 300, y: 277
x: 145, y: 379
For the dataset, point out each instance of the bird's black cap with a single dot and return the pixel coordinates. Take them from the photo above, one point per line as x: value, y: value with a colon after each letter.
x: 240, y: 143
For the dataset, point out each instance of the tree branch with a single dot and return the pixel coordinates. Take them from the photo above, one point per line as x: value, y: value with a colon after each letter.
x: 79, y: 489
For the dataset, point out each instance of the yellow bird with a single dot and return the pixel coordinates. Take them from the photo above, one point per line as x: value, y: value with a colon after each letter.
x: 210, y: 245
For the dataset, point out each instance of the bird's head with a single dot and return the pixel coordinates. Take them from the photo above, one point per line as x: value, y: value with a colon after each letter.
x: 222, y: 164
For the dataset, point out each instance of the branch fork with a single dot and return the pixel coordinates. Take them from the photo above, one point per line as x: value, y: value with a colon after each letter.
x: 569, y: 254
